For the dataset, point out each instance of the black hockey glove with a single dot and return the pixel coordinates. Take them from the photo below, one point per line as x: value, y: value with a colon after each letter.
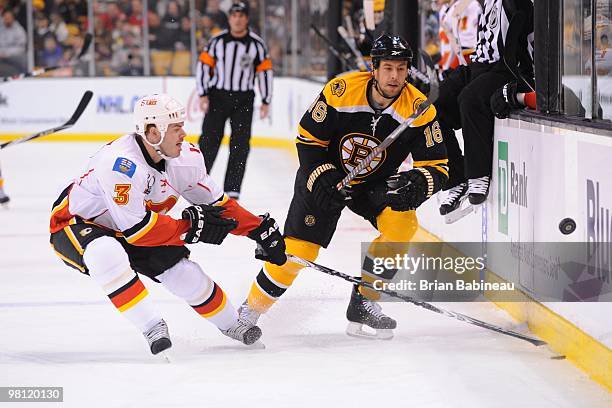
x: 504, y: 100
x: 322, y: 182
x: 270, y: 242
x: 207, y: 225
x: 407, y: 190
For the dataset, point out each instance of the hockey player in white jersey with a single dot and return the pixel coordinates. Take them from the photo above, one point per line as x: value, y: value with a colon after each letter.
x: 458, y: 29
x: 111, y: 224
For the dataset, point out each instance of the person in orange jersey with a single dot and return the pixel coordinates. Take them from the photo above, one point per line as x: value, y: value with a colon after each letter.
x: 111, y: 223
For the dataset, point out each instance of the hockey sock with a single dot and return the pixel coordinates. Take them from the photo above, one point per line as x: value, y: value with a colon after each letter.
x: 396, y: 230
x: 188, y: 281
x: 109, y: 266
x: 273, y: 280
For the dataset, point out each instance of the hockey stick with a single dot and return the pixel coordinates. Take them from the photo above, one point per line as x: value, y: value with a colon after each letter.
x: 350, y: 41
x: 433, y: 96
x: 368, y: 14
x: 75, y: 116
x: 428, y: 306
x: 517, y: 25
x: 86, y: 42
x: 332, y: 48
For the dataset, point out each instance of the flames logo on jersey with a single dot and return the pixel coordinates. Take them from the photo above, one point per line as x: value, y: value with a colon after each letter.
x: 163, y: 207
x: 354, y: 148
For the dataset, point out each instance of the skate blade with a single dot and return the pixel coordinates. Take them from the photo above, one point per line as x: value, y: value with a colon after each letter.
x: 258, y: 345
x: 458, y: 214
x: 356, y: 330
x: 165, y: 357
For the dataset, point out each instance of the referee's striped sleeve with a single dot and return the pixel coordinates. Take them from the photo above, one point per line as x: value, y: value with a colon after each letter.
x: 264, y: 72
x: 205, y: 67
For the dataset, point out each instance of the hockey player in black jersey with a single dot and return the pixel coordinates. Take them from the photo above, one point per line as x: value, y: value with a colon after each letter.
x: 351, y: 116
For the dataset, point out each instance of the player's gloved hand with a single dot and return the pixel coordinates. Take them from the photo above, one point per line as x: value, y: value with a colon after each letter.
x: 407, y: 190
x: 270, y: 242
x: 207, y: 225
x: 322, y: 182
x: 504, y: 100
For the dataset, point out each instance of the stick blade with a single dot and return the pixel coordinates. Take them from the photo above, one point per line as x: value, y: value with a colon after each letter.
x: 86, y: 43
x: 80, y: 109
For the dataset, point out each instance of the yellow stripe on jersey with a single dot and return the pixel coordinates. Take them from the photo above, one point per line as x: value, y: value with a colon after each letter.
x: 306, y: 137
x: 435, y: 164
x: 347, y: 90
x: 74, y: 240
x: 347, y: 93
x: 408, y: 102
x: 146, y: 228
x: 60, y: 206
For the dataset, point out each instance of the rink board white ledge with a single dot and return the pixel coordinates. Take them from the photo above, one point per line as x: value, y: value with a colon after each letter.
x: 557, y: 163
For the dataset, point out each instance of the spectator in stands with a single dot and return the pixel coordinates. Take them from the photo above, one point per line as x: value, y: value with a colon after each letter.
x: 206, y: 30
x: 135, y: 15
x: 58, y: 27
x: 214, y: 11
x: 170, y: 27
x: 134, y: 66
x: 52, y: 53
x: 41, y: 23
x: 12, y: 45
x: 112, y: 15
x: 183, y: 42
x: 154, y: 29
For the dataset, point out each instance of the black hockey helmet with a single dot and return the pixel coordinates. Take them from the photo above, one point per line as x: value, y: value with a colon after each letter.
x: 387, y: 47
x: 239, y: 7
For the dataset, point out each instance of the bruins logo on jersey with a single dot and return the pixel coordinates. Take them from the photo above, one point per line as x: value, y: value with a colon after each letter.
x: 354, y: 148
x: 338, y: 87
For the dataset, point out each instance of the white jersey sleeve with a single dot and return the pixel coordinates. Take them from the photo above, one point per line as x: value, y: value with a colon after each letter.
x: 197, y: 186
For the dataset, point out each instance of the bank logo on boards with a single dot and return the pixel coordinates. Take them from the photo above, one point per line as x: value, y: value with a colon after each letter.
x: 502, y: 187
x: 512, y: 185
x: 599, y: 233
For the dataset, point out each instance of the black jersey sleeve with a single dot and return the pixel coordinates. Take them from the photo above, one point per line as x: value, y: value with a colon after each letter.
x: 429, y: 153
x: 314, y: 132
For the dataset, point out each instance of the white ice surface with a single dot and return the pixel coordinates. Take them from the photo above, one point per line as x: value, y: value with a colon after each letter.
x: 58, y: 329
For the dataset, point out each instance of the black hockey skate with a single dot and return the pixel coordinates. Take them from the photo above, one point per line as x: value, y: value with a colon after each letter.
x: 456, y: 206
x: 364, y: 311
x: 158, y: 337
x: 244, y: 332
x: 4, y: 199
x: 478, y: 190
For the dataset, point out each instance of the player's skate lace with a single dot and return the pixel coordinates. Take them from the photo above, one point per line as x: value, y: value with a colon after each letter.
x: 158, y: 337
x: 453, y: 194
x: 479, y: 185
x: 373, y: 308
x: 243, y: 331
x: 246, y: 313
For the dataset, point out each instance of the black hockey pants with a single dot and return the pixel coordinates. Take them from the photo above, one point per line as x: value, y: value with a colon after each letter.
x: 464, y: 104
x: 238, y: 108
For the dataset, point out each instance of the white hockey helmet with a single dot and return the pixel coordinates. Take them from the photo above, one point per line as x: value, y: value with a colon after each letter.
x: 159, y: 110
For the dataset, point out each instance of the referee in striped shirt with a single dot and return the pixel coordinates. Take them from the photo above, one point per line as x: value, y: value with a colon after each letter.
x: 226, y: 74
x: 464, y: 100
